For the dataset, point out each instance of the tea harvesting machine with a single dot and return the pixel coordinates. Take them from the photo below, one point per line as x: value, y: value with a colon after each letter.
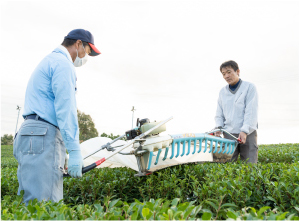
x: 150, y: 148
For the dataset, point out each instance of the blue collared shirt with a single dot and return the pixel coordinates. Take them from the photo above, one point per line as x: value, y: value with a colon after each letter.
x: 50, y: 94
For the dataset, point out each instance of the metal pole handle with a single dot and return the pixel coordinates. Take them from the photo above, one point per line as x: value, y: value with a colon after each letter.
x: 225, y: 131
x: 104, y: 146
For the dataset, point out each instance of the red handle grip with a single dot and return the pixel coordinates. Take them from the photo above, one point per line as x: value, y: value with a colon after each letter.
x: 99, y: 162
x: 90, y: 167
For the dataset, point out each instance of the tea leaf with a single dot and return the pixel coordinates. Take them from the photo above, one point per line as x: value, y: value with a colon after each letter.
x: 134, y: 215
x: 206, y: 216
x: 175, y: 201
x: 282, y: 216
x: 228, y: 205
x: 145, y: 212
x: 231, y: 215
x: 263, y: 209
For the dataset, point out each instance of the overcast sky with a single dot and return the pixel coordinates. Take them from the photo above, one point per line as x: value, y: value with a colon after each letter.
x: 162, y: 57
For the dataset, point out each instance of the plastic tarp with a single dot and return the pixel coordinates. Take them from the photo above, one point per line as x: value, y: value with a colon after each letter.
x: 130, y: 161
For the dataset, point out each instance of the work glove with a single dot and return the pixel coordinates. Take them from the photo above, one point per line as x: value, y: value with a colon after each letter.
x: 75, y: 163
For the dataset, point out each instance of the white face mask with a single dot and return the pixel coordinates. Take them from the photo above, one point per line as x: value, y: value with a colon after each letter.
x: 80, y: 61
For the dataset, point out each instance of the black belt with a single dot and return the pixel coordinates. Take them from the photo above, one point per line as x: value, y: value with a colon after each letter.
x: 33, y: 116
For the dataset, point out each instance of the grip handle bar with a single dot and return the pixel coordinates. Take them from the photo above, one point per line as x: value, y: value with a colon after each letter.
x: 225, y: 131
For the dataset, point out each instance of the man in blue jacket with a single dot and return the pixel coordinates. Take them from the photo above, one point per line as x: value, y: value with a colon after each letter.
x: 237, y: 112
x: 51, y: 124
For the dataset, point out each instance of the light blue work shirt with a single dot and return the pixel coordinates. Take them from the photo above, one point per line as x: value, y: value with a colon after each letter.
x: 237, y: 111
x: 50, y: 94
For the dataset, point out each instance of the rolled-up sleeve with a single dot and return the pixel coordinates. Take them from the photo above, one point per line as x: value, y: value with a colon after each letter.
x: 251, y: 111
x: 219, y: 118
x: 63, y: 86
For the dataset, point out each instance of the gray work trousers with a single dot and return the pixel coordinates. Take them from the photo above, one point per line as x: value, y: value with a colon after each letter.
x: 249, y: 151
x: 40, y: 152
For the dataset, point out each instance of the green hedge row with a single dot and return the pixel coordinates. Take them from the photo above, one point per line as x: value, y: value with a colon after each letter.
x: 7, y: 159
x: 279, y: 153
x: 273, y: 183
x: 245, y: 185
x: 151, y: 210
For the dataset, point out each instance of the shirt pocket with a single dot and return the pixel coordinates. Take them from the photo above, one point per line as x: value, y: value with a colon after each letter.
x: 32, y: 140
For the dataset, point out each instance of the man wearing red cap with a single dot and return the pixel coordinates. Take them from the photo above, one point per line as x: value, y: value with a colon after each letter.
x: 51, y: 124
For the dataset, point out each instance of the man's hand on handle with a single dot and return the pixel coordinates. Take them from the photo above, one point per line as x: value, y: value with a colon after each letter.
x: 217, y: 133
x: 75, y: 164
x: 242, y: 137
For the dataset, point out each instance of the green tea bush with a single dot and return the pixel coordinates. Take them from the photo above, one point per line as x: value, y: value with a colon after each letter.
x: 269, y: 189
x: 9, y: 182
x: 151, y: 210
x: 279, y: 153
x: 7, y: 159
x: 245, y: 185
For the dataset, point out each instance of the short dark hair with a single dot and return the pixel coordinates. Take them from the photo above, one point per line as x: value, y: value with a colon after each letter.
x: 69, y: 42
x: 231, y: 64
